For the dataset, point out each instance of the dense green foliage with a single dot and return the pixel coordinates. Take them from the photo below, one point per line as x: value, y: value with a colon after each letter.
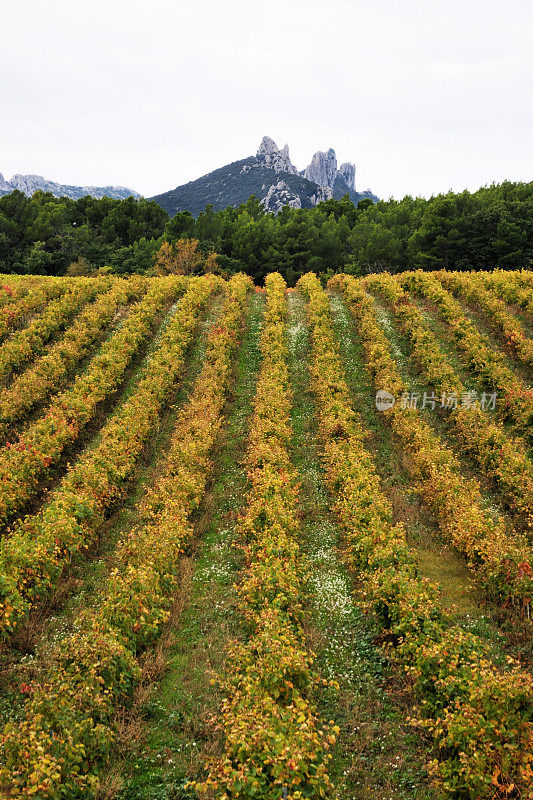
x: 44, y: 234
x: 492, y: 227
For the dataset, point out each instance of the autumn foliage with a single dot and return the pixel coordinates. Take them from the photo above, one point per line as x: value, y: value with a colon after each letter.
x: 111, y: 355
x: 184, y: 257
x: 478, y: 713
x: 489, y: 364
x: 275, y: 744
x: 69, y: 725
x: 496, y: 554
x: 503, y: 457
x: 32, y: 558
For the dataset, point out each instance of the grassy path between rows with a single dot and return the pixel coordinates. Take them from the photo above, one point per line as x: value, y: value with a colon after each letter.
x: 441, y: 329
x: 457, y: 358
x: 377, y: 754
x: 15, y: 429
x: 80, y: 584
x: 438, y: 560
x: 494, y: 336
x: 89, y: 436
x: 493, y: 501
x: 171, y: 730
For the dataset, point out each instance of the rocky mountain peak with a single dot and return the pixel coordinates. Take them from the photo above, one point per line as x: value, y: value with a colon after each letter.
x: 267, y: 146
x: 323, y: 168
x: 274, y: 158
x: 272, y: 178
x: 347, y: 173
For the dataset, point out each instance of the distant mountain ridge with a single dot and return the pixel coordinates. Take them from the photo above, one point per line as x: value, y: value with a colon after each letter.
x: 269, y: 175
x: 272, y: 178
x: 29, y: 184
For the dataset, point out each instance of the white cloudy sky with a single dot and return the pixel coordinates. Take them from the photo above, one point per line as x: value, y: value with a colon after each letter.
x: 424, y: 95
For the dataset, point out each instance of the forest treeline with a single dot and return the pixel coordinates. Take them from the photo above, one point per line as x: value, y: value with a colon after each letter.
x: 492, y: 227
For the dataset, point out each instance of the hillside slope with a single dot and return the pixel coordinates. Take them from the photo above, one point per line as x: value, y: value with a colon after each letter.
x: 271, y: 177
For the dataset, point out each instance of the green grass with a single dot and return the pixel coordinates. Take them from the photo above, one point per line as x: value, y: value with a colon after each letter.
x: 493, y: 500
x: 377, y: 754
x: 493, y: 336
x: 438, y: 560
x: 52, y: 619
x: 457, y: 358
x: 175, y: 716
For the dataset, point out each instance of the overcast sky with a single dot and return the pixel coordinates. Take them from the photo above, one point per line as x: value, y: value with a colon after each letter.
x: 423, y: 95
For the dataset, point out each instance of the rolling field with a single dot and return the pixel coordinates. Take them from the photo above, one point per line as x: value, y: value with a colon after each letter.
x: 261, y: 542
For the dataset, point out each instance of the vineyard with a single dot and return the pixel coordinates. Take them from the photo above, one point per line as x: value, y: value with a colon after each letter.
x: 262, y: 542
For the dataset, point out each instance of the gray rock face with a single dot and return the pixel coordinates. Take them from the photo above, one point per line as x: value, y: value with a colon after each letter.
x: 323, y: 168
x: 29, y: 184
x: 347, y: 173
x: 280, y: 195
x: 273, y: 158
x: 322, y: 171
x: 322, y: 193
x: 267, y: 147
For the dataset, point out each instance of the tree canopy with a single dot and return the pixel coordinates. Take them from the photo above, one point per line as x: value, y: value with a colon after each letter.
x: 492, y: 227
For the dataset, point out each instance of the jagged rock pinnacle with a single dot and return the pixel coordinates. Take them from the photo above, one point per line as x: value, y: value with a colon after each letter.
x: 273, y: 158
x: 347, y: 172
x: 323, y: 168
